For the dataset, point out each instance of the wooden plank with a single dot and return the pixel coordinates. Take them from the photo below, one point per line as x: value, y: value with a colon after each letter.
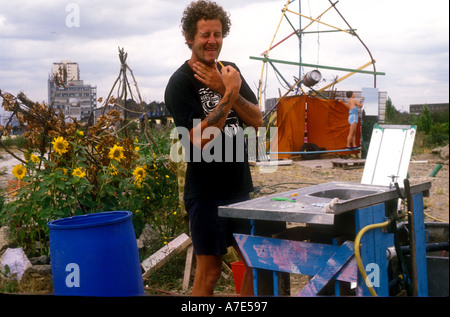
x: 329, y: 270
x: 348, y: 164
x: 290, y: 256
x: 271, y: 163
x: 159, y: 258
x: 188, y: 267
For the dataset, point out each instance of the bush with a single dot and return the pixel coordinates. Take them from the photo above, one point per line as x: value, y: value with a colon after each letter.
x: 17, y: 141
x: 439, y: 133
x: 69, y: 169
x: 432, y: 127
x: 424, y: 121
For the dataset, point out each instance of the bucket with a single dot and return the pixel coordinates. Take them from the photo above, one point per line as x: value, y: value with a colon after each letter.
x: 95, y: 255
x: 238, y: 269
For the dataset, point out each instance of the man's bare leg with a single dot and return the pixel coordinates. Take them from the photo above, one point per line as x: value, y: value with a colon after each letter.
x: 207, y: 274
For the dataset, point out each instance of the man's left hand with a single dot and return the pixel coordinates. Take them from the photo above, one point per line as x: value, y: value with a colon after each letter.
x: 210, y: 76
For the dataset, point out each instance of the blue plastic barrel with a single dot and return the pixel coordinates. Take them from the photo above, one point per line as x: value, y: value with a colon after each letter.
x: 95, y: 255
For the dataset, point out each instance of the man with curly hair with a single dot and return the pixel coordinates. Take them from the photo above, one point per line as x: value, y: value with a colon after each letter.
x: 212, y: 101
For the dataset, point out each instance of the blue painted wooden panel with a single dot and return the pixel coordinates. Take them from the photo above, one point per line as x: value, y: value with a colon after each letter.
x: 421, y: 256
x: 291, y: 256
x: 373, y: 250
x: 329, y: 270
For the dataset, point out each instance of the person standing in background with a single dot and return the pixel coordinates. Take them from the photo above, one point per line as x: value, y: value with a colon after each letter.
x: 352, y: 119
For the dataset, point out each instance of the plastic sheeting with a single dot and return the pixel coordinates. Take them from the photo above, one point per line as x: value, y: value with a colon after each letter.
x: 16, y: 260
x: 291, y: 124
x: 325, y: 122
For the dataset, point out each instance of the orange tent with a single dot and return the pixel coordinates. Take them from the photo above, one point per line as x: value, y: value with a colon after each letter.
x: 326, y: 124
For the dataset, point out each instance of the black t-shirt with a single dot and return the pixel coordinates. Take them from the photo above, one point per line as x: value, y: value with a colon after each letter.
x: 209, y: 174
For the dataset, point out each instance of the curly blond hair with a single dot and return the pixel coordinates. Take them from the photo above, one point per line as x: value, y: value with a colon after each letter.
x: 207, y: 10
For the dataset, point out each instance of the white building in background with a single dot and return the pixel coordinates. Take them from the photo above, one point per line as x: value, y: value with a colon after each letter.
x: 77, y: 100
x: 71, y: 71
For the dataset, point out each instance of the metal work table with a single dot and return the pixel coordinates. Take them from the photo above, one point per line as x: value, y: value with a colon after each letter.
x: 315, y: 204
x: 324, y: 204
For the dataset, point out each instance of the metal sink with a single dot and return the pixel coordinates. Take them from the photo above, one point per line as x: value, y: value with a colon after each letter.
x: 343, y: 193
x: 351, y: 196
x: 316, y: 204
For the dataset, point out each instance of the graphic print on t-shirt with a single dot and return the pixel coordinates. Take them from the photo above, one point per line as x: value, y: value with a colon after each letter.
x: 210, y: 99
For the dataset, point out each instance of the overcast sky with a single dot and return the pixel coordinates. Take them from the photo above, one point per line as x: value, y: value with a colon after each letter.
x: 409, y: 39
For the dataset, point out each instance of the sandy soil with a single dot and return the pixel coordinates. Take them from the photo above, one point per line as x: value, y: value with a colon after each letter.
x: 303, y: 173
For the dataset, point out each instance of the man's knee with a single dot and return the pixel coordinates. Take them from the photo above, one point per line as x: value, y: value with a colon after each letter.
x: 209, y: 267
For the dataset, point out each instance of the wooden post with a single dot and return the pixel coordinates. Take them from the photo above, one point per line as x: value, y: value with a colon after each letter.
x: 373, y: 250
x: 418, y: 253
x: 188, y: 267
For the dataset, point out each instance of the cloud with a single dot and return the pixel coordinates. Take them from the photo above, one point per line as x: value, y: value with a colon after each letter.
x: 38, y: 33
x: 409, y: 41
x: 51, y: 20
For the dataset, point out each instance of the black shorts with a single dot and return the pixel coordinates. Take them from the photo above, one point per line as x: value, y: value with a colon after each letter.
x: 211, y: 234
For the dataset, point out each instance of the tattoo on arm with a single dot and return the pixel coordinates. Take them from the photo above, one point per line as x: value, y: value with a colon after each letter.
x: 244, y: 103
x: 214, y: 117
x: 248, y: 112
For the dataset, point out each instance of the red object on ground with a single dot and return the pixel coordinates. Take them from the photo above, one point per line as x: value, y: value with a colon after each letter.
x: 238, y: 269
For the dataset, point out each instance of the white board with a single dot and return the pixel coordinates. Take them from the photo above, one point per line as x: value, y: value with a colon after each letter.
x: 389, y: 154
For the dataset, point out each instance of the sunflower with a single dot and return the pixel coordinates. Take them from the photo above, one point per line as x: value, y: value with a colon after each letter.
x: 116, y: 153
x: 113, y: 170
x: 34, y: 158
x: 60, y: 145
x: 78, y: 172
x: 19, y: 171
x: 139, y: 173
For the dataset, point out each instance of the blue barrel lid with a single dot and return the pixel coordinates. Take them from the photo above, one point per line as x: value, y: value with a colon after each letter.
x: 90, y: 220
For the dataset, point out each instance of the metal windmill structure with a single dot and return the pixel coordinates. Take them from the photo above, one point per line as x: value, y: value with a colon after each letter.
x: 308, y: 80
